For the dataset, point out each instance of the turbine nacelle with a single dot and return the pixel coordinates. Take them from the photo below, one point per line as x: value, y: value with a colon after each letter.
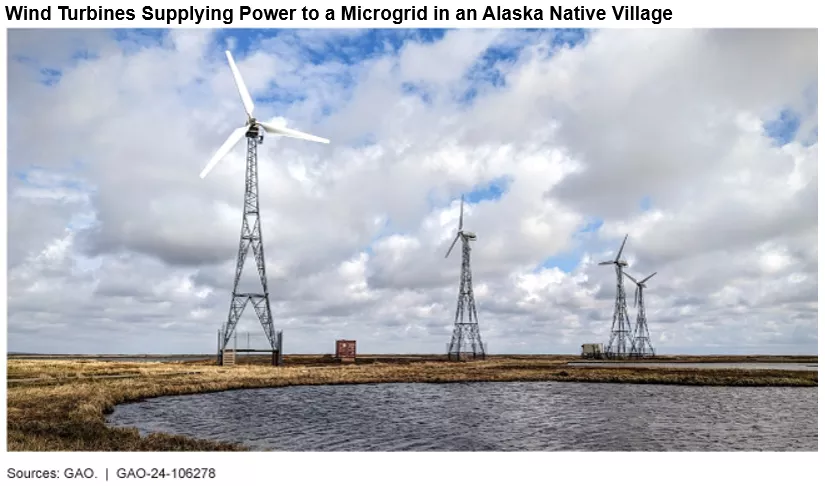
x: 621, y: 263
x: 640, y: 283
x: 253, y: 127
x: 464, y: 235
x: 618, y: 261
x: 640, y: 286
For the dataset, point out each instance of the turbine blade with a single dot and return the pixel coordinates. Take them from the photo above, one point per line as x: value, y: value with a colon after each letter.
x: 461, y: 216
x: 635, y: 296
x: 230, y: 142
x: 648, y: 277
x: 618, y: 255
x: 288, y: 132
x: 248, y: 106
x: 607, y: 263
x: 451, y: 246
x: 631, y: 278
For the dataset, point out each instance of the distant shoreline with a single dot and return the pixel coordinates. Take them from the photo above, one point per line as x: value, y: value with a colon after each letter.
x: 709, y: 358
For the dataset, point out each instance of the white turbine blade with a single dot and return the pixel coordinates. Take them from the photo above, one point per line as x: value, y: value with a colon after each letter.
x: 451, y: 246
x: 607, y: 263
x: 619, y: 255
x: 636, y: 296
x: 288, y: 132
x: 648, y: 277
x: 233, y: 139
x: 461, y: 217
x: 248, y: 106
x: 631, y: 278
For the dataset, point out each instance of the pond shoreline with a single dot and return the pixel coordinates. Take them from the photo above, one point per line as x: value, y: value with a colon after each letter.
x: 69, y: 414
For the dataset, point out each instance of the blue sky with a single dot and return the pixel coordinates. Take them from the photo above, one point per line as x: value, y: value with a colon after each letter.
x: 114, y: 211
x: 358, y: 46
x: 784, y: 127
x: 352, y: 49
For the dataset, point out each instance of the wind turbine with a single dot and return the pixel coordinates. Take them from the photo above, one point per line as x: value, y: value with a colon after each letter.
x: 252, y: 127
x: 251, y: 236
x: 466, y: 338
x: 643, y: 346
x: 621, y: 343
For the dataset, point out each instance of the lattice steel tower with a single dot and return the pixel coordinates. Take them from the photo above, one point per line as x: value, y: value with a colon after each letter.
x: 643, y: 348
x: 466, y: 341
x: 621, y: 344
x: 251, y: 237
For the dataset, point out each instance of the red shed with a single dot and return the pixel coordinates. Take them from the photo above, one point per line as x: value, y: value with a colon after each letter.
x: 345, y: 349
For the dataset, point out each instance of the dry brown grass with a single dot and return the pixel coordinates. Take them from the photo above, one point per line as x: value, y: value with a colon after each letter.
x: 65, y: 411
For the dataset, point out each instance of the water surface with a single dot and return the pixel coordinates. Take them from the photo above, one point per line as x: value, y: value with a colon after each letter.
x: 489, y: 416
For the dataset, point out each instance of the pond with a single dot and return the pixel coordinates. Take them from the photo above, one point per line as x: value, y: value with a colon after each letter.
x: 489, y: 416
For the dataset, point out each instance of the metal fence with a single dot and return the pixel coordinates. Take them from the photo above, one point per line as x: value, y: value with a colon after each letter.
x: 467, y: 354
x: 247, y: 343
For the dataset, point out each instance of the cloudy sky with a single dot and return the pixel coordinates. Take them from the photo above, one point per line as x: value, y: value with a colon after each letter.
x: 702, y: 145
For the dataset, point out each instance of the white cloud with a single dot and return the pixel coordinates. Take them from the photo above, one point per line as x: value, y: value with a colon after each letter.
x: 115, y: 244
